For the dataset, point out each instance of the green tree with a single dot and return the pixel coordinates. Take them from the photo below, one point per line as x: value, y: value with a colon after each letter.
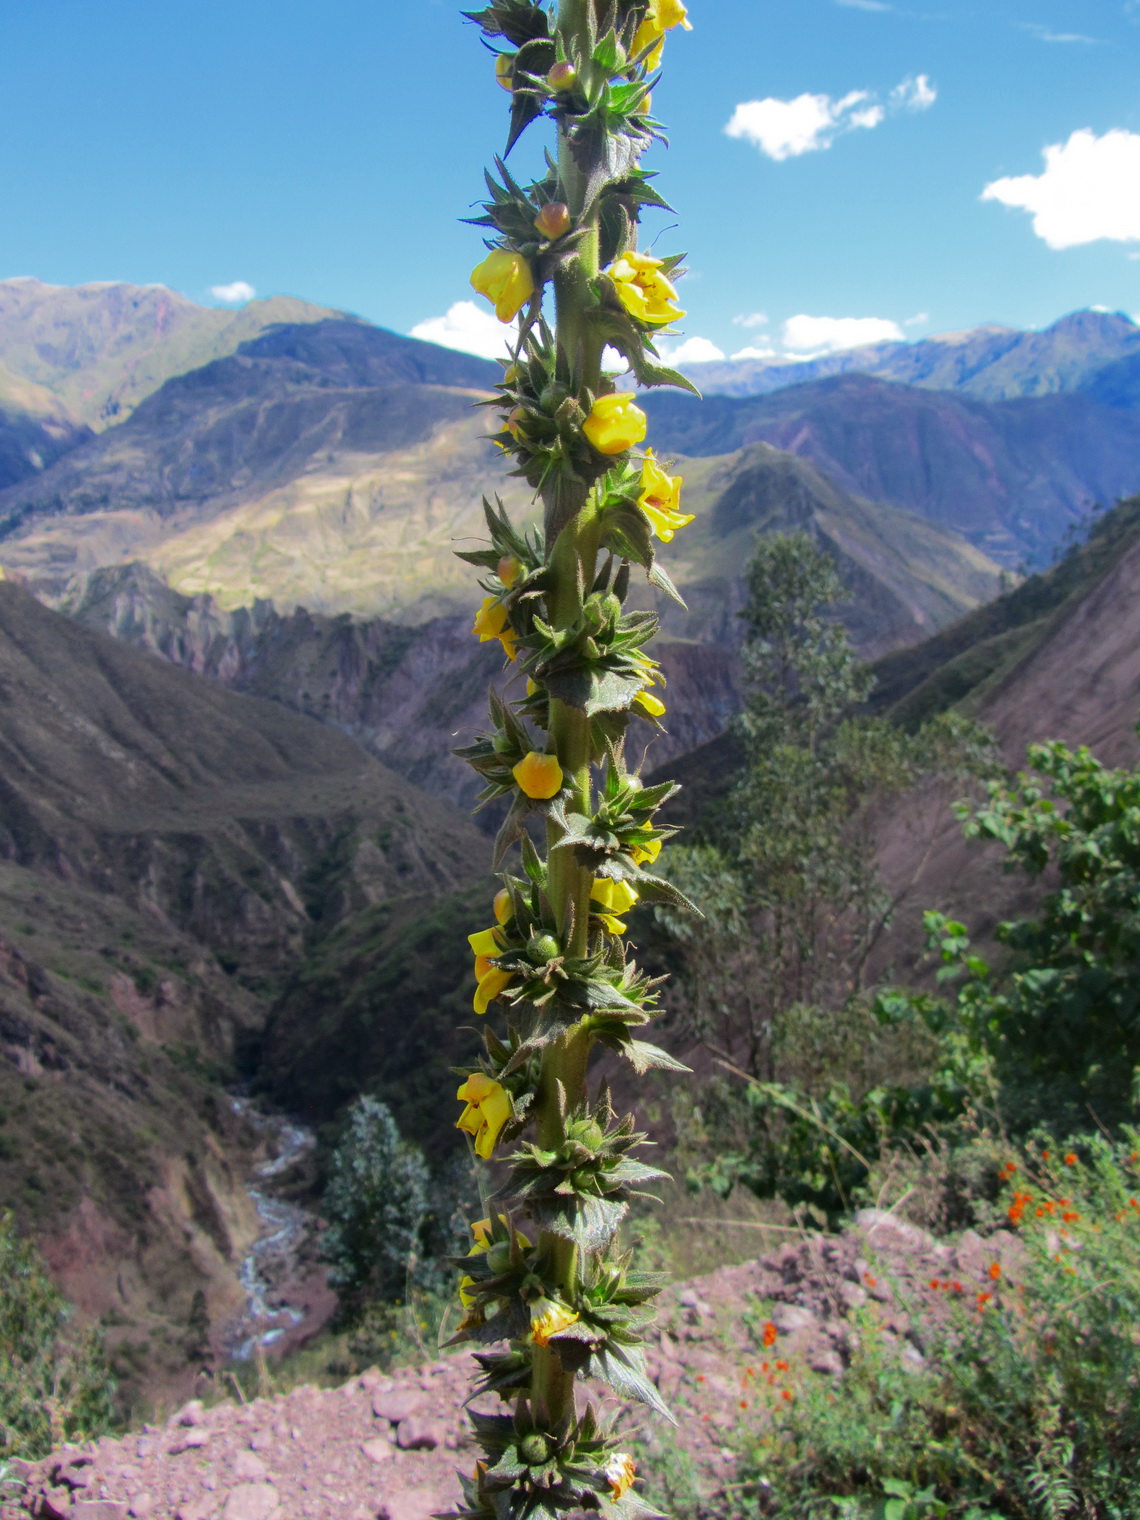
x: 55, y: 1384
x: 1061, y: 1017
x: 376, y: 1204
x: 793, y: 901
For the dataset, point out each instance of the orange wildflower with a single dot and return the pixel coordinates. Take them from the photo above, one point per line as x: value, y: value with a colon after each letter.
x: 770, y: 1333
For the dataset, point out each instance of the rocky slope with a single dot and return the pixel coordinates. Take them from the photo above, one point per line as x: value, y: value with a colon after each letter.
x: 990, y: 362
x: 170, y: 853
x: 1011, y: 476
x: 729, y: 1349
x: 100, y: 349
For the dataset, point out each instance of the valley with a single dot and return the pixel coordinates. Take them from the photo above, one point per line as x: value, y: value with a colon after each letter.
x: 236, y: 652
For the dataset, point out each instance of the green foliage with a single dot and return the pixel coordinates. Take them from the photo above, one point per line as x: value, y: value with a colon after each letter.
x: 1063, y: 1017
x: 793, y: 903
x: 376, y: 1204
x: 54, y: 1382
x: 1026, y: 1406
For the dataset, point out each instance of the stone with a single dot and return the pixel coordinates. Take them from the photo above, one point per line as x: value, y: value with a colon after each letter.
x: 854, y: 1295
x: 198, y: 1508
x: 76, y: 1476
x: 372, y: 1379
x: 826, y: 1362
x: 396, y: 1404
x: 886, y: 1232
x: 23, y: 1470
x: 788, y: 1318
x: 413, y: 1504
x: 55, y: 1503
x: 417, y: 1434
x: 144, y: 1447
x: 377, y: 1450
x: 260, y: 1440
x: 141, y: 1505
x: 98, y: 1509
x: 249, y: 1467
x: 193, y: 1440
x: 251, y: 1501
x: 193, y: 1413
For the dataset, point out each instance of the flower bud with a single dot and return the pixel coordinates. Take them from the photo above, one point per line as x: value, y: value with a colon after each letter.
x: 534, y: 1449
x: 539, y: 776
x: 554, y: 220
x: 504, y: 908
x: 545, y: 948
x: 509, y: 570
x: 505, y: 71
x: 563, y: 76
x: 515, y: 422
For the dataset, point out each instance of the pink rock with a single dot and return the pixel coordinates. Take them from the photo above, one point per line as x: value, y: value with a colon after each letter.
x: 396, y: 1404
x: 197, y: 1509
x: 98, y: 1509
x: 415, y: 1504
x: 251, y: 1501
x: 260, y: 1440
x: 190, y: 1414
x: 250, y: 1468
x: 193, y: 1440
x: 141, y: 1505
x: 418, y: 1434
x: 377, y: 1450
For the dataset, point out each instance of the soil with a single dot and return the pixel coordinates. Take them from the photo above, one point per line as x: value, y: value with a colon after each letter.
x: 726, y: 1348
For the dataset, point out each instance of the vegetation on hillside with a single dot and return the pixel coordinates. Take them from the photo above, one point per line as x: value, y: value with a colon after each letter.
x: 55, y: 1384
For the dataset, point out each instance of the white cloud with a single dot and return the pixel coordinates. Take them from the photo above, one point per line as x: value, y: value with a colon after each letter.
x: 831, y: 335
x: 864, y: 5
x: 236, y: 294
x: 920, y: 319
x: 1089, y: 190
x: 1044, y: 34
x: 693, y: 351
x: 756, y: 353
x: 752, y: 319
x: 916, y: 93
x: 784, y: 129
x: 468, y: 328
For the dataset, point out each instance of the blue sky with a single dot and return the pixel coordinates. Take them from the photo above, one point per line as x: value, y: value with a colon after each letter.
x: 328, y: 149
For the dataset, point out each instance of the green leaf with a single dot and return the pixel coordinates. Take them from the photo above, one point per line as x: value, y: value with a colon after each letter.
x: 645, y: 1057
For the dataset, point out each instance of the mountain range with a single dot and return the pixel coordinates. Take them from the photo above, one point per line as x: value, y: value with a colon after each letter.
x: 230, y: 844
x: 991, y: 362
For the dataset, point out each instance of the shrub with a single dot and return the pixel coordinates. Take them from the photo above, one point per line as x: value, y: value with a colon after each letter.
x: 1027, y: 1406
x: 54, y: 1381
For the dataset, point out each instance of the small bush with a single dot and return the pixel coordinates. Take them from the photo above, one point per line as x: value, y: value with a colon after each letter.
x: 55, y: 1384
x: 1027, y: 1406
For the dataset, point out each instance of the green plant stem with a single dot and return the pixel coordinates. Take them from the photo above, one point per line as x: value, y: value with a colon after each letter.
x: 572, y: 525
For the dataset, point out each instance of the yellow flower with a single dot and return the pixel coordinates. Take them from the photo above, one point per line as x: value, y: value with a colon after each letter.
x: 504, y: 908
x: 613, y: 925
x: 505, y: 70
x: 616, y: 424
x: 647, y: 853
x: 506, y: 280
x: 650, y: 704
x: 644, y: 291
x: 548, y: 1319
x: 621, y: 1473
x: 491, y: 622
x: 539, y: 776
x: 486, y: 942
x: 615, y: 896
x: 488, y: 1109
x: 490, y: 986
x: 662, y: 17
x: 660, y: 499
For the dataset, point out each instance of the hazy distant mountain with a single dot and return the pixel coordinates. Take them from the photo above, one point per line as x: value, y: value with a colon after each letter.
x: 992, y: 363
x: 102, y: 348
x: 1012, y: 476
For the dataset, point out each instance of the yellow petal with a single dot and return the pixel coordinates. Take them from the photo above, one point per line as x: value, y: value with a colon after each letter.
x: 539, y: 776
x: 504, y: 908
x: 486, y: 942
x: 489, y: 988
x: 615, y: 424
x: 650, y: 704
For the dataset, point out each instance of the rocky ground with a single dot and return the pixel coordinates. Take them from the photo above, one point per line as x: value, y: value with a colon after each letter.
x: 728, y: 1347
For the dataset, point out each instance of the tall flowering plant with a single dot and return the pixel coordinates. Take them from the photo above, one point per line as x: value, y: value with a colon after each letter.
x: 546, y: 1292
